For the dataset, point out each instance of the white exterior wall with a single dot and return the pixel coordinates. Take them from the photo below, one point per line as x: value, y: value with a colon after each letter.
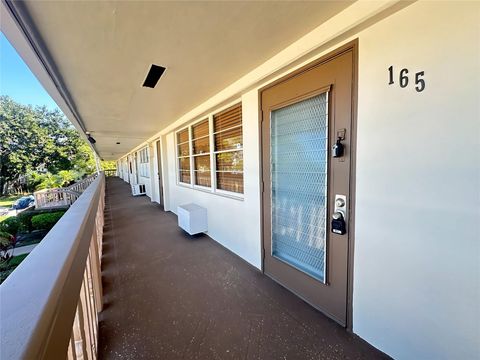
x: 417, y: 231
x: 132, y: 177
x: 129, y: 176
x: 233, y: 223
x: 143, y: 179
x: 125, y: 169
x: 154, y: 172
x: 417, y: 238
x: 156, y: 195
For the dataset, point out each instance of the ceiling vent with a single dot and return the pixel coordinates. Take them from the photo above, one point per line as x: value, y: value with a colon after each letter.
x: 153, y: 76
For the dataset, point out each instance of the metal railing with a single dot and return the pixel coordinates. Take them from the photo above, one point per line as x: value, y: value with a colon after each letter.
x: 50, y: 303
x: 59, y: 197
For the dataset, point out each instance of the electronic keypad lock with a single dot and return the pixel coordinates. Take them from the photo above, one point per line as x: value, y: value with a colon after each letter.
x: 339, y: 225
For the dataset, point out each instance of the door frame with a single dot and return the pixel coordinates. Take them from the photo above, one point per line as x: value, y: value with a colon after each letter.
x: 159, y: 175
x: 350, y: 46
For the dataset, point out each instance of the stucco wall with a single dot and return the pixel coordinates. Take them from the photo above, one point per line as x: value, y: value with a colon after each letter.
x: 417, y: 253
x: 233, y: 223
x: 154, y: 173
x: 123, y: 165
x: 417, y: 236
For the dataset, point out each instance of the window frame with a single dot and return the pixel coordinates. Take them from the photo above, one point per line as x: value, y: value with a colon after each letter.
x: 215, y: 152
x: 144, y: 162
x: 209, y: 154
x: 178, y: 156
x: 213, y: 189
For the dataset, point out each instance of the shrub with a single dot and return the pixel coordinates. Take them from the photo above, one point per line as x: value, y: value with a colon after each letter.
x: 25, y: 221
x: 5, y: 240
x: 10, y: 225
x: 46, y: 221
x: 7, y: 243
x: 25, y: 218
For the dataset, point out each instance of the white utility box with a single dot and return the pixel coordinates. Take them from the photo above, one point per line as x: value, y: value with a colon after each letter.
x: 192, y: 218
x: 138, y: 189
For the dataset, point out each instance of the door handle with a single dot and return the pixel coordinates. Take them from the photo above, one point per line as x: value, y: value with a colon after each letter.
x: 337, y: 215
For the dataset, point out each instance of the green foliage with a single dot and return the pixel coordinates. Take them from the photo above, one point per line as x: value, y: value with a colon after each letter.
x: 63, y: 178
x: 7, y: 244
x: 16, y: 260
x: 108, y: 165
x: 5, y: 239
x: 8, y: 266
x: 36, y: 145
x: 25, y: 221
x: 25, y: 218
x: 10, y: 225
x: 46, y: 221
x: 7, y: 201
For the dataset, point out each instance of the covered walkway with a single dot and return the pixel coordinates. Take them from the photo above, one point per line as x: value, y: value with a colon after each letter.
x: 172, y: 296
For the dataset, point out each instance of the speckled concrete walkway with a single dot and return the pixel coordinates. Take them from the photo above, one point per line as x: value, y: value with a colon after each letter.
x: 171, y: 296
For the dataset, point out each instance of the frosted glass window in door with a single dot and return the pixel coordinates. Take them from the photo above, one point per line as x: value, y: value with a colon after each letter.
x: 299, y: 143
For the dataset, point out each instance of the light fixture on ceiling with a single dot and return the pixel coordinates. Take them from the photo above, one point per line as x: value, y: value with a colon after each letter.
x: 118, y: 142
x: 90, y: 138
x: 153, y: 76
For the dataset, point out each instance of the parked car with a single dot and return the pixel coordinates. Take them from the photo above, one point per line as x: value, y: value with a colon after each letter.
x: 24, y: 202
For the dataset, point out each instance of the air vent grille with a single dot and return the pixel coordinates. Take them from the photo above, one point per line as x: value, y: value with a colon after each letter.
x: 153, y: 76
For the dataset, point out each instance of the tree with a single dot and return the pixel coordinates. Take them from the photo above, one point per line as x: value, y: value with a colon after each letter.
x: 38, y: 144
x: 108, y: 164
x: 7, y: 247
x: 18, y: 132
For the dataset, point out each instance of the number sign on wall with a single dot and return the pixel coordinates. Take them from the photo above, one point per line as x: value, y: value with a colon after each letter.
x: 403, y: 79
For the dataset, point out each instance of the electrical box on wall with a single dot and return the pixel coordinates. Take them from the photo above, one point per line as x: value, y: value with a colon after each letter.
x: 192, y: 218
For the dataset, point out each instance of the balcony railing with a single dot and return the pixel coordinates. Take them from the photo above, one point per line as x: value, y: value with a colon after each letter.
x: 56, y: 197
x: 110, y: 172
x: 50, y: 303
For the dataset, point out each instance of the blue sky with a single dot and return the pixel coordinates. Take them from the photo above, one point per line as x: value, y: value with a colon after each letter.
x: 17, y: 81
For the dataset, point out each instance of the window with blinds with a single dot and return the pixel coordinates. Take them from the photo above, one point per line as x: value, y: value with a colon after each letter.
x: 214, y: 142
x: 228, y: 153
x: 144, y: 163
x: 183, y: 151
x: 201, y: 154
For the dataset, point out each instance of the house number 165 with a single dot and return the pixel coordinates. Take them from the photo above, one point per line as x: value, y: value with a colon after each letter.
x: 403, y: 79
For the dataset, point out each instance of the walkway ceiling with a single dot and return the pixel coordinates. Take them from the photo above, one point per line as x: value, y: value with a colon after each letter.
x: 102, y: 52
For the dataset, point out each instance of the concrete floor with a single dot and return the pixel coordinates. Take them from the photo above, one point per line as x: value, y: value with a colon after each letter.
x: 172, y: 296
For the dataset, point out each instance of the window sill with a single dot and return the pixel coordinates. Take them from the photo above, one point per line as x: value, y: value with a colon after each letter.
x: 226, y: 194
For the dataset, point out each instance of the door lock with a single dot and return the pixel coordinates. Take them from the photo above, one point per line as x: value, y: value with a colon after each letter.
x: 337, y: 149
x: 339, y: 203
x: 339, y: 225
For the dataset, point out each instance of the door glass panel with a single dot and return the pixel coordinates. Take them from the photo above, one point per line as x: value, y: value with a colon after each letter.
x: 299, y: 143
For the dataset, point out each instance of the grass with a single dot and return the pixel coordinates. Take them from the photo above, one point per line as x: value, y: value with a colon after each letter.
x: 7, y: 201
x: 12, y: 265
x: 16, y: 260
